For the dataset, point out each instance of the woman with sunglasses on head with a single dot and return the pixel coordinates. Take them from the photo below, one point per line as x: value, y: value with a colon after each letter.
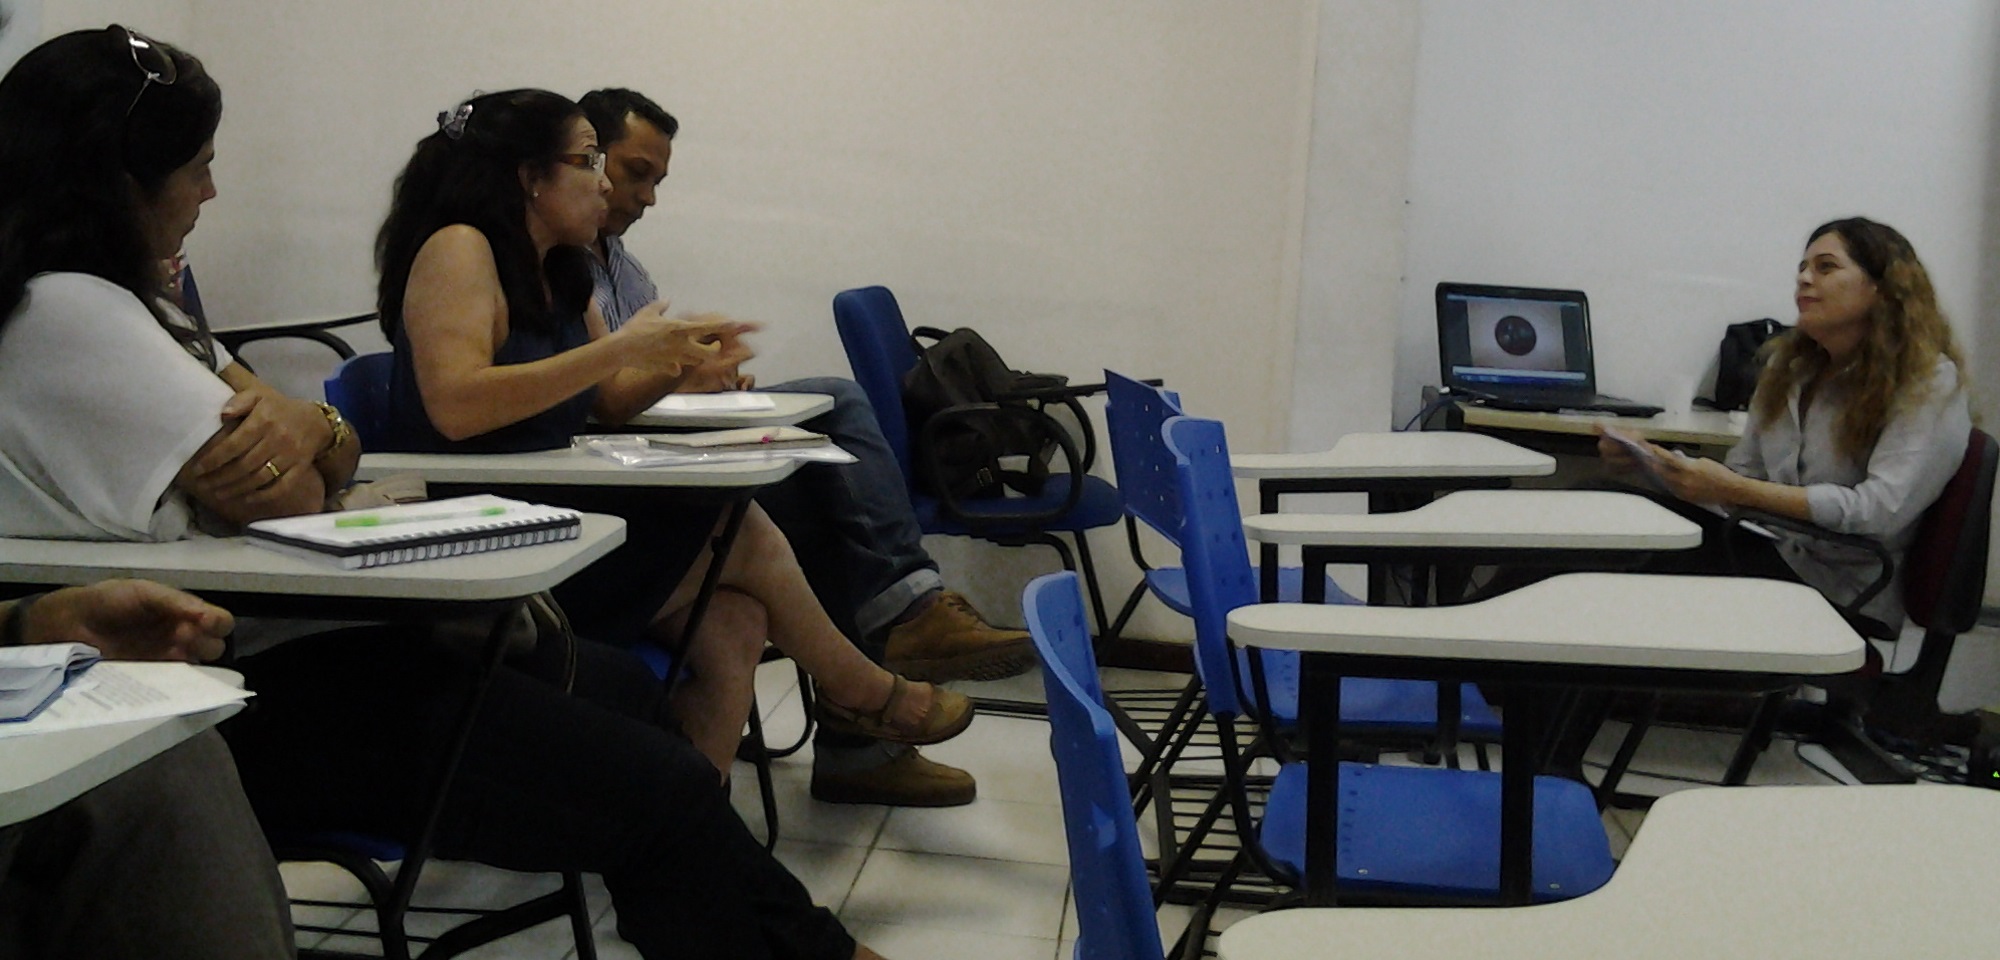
x: 486, y: 297
x: 119, y: 419
x: 1859, y: 419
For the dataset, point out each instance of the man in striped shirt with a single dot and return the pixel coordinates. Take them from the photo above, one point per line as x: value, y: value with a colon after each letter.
x: 851, y: 525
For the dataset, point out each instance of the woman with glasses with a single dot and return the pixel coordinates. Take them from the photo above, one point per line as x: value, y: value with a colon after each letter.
x: 486, y: 297
x: 120, y: 419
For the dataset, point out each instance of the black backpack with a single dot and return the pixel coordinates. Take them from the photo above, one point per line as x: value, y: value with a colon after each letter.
x: 1741, y: 360
x: 958, y: 456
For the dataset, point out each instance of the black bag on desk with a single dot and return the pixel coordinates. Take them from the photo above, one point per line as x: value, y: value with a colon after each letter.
x: 961, y: 457
x: 1741, y: 360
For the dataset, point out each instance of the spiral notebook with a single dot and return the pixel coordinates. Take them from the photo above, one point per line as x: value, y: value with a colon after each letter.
x: 417, y: 531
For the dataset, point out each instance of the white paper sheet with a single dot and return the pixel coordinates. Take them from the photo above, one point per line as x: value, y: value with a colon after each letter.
x: 714, y: 402
x: 117, y: 691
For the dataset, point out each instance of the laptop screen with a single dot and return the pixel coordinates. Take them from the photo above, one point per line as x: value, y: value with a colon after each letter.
x: 1504, y: 340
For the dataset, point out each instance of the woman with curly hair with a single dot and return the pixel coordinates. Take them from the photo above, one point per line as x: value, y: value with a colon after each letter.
x: 1859, y: 419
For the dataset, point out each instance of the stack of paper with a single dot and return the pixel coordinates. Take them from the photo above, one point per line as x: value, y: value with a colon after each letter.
x: 115, y: 691
x: 31, y: 676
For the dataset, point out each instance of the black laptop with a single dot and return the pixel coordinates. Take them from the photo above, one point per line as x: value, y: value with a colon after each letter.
x: 1522, y: 348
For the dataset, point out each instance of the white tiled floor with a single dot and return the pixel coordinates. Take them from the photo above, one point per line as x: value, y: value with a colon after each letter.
x: 984, y: 882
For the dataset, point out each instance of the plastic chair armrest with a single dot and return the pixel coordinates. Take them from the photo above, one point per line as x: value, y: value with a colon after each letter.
x: 315, y: 330
x: 1069, y: 391
x: 1883, y: 558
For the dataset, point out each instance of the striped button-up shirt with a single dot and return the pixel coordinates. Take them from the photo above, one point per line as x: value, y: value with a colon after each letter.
x: 622, y: 284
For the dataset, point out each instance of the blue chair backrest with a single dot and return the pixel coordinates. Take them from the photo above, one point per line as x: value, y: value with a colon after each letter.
x: 1213, y: 551
x: 877, y: 341
x: 1114, y: 903
x: 360, y: 391
x: 1134, y: 412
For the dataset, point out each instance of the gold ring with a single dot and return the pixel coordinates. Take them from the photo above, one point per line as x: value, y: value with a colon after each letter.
x: 276, y: 474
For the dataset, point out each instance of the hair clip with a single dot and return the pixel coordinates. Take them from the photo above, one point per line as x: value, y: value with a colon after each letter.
x: 452, y: 122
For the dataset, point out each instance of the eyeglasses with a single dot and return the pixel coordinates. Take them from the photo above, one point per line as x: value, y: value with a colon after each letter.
x: 592, y: 160
x: 152, y: 60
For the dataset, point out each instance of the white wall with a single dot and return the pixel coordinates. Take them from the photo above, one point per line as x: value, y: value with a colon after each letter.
x: 1114, y: 183
x: 1669, y: 158
x: 1351, y: 287
x: 22, y: 29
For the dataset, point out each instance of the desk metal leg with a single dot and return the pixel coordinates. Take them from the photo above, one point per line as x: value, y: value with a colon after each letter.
x: 1521, y: 738
x: 1321, y: 708
x: 419, y: 851
x: 710, y: 579
x: 1267, y: 553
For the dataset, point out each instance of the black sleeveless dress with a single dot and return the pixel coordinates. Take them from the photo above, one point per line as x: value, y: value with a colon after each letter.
x: 615, y: 599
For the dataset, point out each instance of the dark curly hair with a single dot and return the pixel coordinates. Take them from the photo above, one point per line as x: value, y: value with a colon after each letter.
x: 469, y: 173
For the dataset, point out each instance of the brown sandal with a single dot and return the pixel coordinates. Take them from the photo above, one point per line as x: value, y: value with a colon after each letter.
x: 948, y: 717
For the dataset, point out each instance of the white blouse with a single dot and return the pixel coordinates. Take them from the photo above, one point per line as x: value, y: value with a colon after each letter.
x: 99, y: 410
x: 1882, y: 496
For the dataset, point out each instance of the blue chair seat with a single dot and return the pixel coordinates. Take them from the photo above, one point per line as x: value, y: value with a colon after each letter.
x: 1437, y: 832
x: 1170, y: 585
x: 1371, y: 704
x: 1098, y: 507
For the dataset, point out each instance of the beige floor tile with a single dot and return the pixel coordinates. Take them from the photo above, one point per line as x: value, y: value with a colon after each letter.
x: 901, y: 942
x: 800, y: 817
x: 986, y: 829
x: 959, y: 893
x: 1008, y: 755
x: 828, y: 870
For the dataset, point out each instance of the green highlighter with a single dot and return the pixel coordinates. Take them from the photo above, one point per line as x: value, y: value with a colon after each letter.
x: 378, y: 520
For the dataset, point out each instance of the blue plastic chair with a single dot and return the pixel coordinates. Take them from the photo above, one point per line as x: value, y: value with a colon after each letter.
x: 1114, y: 905
x: 880, y: 351
x: 1133, y: 414
x: 1149, y: 481
x: 359, y: 389
x: 1405, y: 832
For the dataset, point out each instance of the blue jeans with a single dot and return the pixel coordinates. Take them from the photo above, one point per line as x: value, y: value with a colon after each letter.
x: 852, y: 525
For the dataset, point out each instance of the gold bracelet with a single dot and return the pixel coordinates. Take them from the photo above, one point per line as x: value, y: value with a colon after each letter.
x: 342, y: 432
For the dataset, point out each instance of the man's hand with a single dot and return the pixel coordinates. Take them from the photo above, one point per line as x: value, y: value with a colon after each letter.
x: 131, y: 620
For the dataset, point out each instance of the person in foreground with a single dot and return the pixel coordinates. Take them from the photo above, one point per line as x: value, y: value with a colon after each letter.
x: 1859, y: 419
x: 118, y: 421
x: 164, y: 861
x: 485, y: 296
x: 852, y: 525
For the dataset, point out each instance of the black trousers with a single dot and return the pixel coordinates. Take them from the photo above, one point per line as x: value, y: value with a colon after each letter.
x: 344, y: 734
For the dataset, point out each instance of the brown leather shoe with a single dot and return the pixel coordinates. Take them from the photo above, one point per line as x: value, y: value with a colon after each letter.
x: 950, y: 641
x: 910, y: 780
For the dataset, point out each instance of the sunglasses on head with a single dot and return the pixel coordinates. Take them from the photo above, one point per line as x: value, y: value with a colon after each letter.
x: 153, y: 61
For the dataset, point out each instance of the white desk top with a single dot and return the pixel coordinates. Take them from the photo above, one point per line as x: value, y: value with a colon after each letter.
x: 235, y: 565
x: 1524, y: 519
x: 568, y: 467
x: 40, y: 773
x: 1655, y: 621
x: 792, y: 408
x: 1731, y: 873
x: 1375, y: 456
x: 1707, y: 427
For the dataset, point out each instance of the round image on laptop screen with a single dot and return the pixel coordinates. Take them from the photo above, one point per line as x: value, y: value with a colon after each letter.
x: 1515, y: 335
